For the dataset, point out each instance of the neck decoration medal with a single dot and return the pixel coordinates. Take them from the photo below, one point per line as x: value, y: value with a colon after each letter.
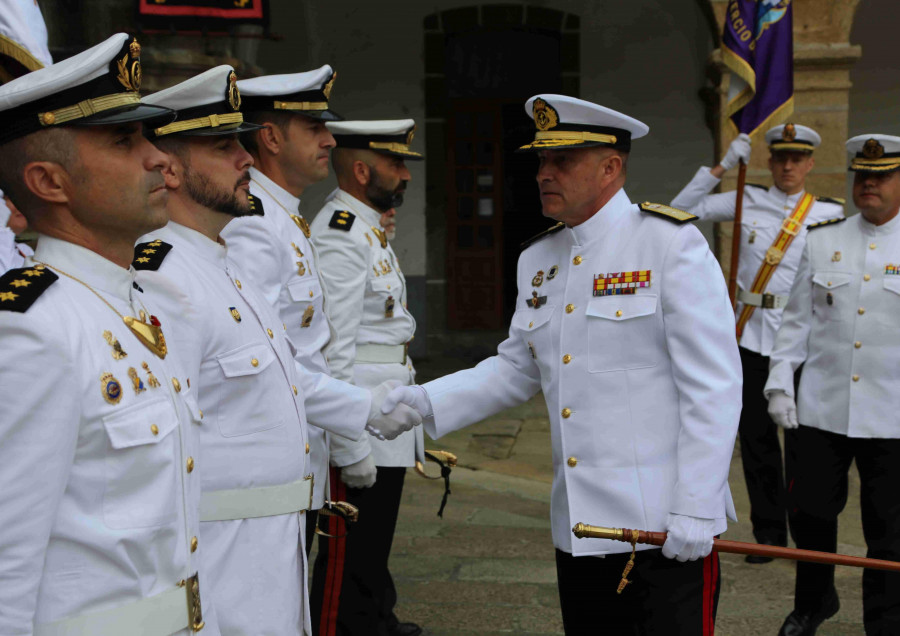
x: 149, y: 333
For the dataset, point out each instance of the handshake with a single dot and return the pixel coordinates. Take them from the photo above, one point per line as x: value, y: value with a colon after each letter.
x: 396, y: 409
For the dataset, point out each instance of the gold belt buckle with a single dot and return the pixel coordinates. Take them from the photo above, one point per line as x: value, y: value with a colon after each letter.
x: 768, y: 301
x: 790, y: 226
x: 195, y: 612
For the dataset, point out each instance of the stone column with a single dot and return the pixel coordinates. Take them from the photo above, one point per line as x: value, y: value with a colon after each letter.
x: 823, y: 57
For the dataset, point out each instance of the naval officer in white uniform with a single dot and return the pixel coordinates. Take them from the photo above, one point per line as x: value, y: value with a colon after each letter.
x: 775, y: 216
x: 368, y: 307
x: 291, y: 152
x: 841, y: 325
x: 98, y: 505
x: 623, y: 320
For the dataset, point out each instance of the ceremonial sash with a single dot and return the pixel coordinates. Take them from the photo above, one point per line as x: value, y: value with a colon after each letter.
x: 789, y: 230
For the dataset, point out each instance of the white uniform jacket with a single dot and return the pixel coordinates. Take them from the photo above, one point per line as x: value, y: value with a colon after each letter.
x: 98, y: 509
x: 643, y: 389
x: 841, y: 321
x: 367, y: 306
x: 254, y: 433
x: 273, y: 251
x: 764, y: 210
x: 12, y: 254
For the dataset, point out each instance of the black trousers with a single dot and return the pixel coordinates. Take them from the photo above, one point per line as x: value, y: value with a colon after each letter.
x: 664, y: 596
x: 312, y: 518
x: 761, y: 454
x: 352, y: 589
x: 817, y: 466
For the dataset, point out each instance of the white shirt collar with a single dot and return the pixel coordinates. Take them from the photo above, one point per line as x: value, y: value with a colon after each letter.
x: 89, y: 267
x: 201, y: 245
x: 603, y: 221
x: 281, y: 196
x: 368, y: 214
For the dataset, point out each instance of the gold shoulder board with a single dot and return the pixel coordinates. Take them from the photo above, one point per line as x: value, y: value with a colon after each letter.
x: 19, y: 288
x: 835, y: 200
x: 668, y: 212
x: 149, y: 256
x: 840, y: 219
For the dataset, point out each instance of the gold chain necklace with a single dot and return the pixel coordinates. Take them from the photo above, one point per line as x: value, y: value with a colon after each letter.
x: 150, y: 334
x: 302, y: 223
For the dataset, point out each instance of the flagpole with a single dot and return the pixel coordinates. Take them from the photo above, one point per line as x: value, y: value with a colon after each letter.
x: 736, y: 234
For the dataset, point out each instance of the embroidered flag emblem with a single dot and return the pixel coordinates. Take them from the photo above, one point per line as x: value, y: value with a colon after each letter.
x: 891, y: 270
x: 620, y: 283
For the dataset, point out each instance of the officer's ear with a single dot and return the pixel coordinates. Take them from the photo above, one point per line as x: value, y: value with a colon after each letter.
x: 270, y: 137
x: 48, y: 181
x: 362, y: 172
x: 172, y: 173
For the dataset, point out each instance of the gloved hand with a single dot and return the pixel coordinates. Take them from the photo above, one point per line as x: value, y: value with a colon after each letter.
x: 413, y: 396
x: 690, y: 538
x: 361, y: 474
x: 783, y: 410
x: 388, y: 424
x: 737, y: 151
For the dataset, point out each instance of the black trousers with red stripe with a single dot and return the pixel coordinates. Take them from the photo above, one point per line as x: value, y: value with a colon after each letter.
x: 664, y: 596
x: 352, y: 589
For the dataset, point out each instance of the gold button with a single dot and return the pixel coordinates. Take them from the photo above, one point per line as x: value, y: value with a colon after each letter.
x: 190, y: 464
x: 867, y: 277
x: 284, y: 326
x: 857, y: 344
x: 188, y: 382
x: 48, y: 119
x: 311, y: 294
x: 389, y: 286
x: 269, y: 331
x: 154, y: 429
x: 618, y: 313
x: 177, y: 385
x: 201, y: 413
x: 570, y: 308
x: 194, y: 543
x: 572, y: 461
x: 566, y: 412
x: 254, y: 362
x: 856, y: 378
x: 295, y: 389
x: 238, y: 283
x: 829, y: 283
x: 531, y: 324
x: 871, y: 246
x: 861, y: 311
x: 307, y: 448
x: 567, y: 359
x: 577, y: 260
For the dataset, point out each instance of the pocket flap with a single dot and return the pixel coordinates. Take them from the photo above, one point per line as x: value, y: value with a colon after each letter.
x: 830, y: 280
x: 892, y: 283
x: 250, y: 359
x: 389, y: 284
x: 530, y: 319
x: 304, y: 290
x: 622, y: 307
x: 143, y: 423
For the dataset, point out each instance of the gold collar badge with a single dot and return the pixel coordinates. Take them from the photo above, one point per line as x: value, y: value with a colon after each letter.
x: 789, y: 133
x: 130, y: 73
x: 872, y: 149
x: 234, y: 95
x: 545, y: 116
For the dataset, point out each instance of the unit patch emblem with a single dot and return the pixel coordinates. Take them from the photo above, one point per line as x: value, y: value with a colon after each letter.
x: 553, y: 272
x: 535, y: 301
x: 111, y: 389
x: 538, y: 279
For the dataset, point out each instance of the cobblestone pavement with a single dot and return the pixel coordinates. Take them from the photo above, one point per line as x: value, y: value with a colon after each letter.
x: 488, y: 566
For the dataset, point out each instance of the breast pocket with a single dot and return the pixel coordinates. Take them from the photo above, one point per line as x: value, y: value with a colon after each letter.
x: 241, y: 407
x: 306, y: 293
x: 531, y: 325
x: 141, y: 466
x: 623, y: 333
x: 831, y: 295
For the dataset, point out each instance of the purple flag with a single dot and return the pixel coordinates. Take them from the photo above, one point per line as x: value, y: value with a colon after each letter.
x: 758, y: 48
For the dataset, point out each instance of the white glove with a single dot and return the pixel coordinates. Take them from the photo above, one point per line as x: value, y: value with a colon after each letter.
x: 690, y: 538
x: 388, y: 424
x: 737, y: 151
x: 361, y: 474
x: 413, y: 396
x: 783, y: 410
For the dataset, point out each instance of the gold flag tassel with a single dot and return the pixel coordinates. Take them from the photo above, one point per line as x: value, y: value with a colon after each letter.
x: 446, y: 460
x: 629, y: 565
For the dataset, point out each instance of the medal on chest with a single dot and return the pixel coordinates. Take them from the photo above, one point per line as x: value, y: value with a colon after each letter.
x: 621, y: 283
x: 752, y: 238
x: 306, y: 320
x: 302, y: 224
x: 535, y: 301
x: 389, y: 307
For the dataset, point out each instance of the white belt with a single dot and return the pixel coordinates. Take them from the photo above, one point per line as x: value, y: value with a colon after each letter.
x: 247, y: 503
x: 381, y: 354
x: 159, y: 615
x: 763, y: 301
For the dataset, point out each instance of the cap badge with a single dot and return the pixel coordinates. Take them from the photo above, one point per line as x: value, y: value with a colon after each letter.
x: 409, y: 135
x: 329, y: 86
x: 789, y: 133
x: 234, y: 95
x: 129, y: 68
x: 872, y: 149
x: 545, y: 116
